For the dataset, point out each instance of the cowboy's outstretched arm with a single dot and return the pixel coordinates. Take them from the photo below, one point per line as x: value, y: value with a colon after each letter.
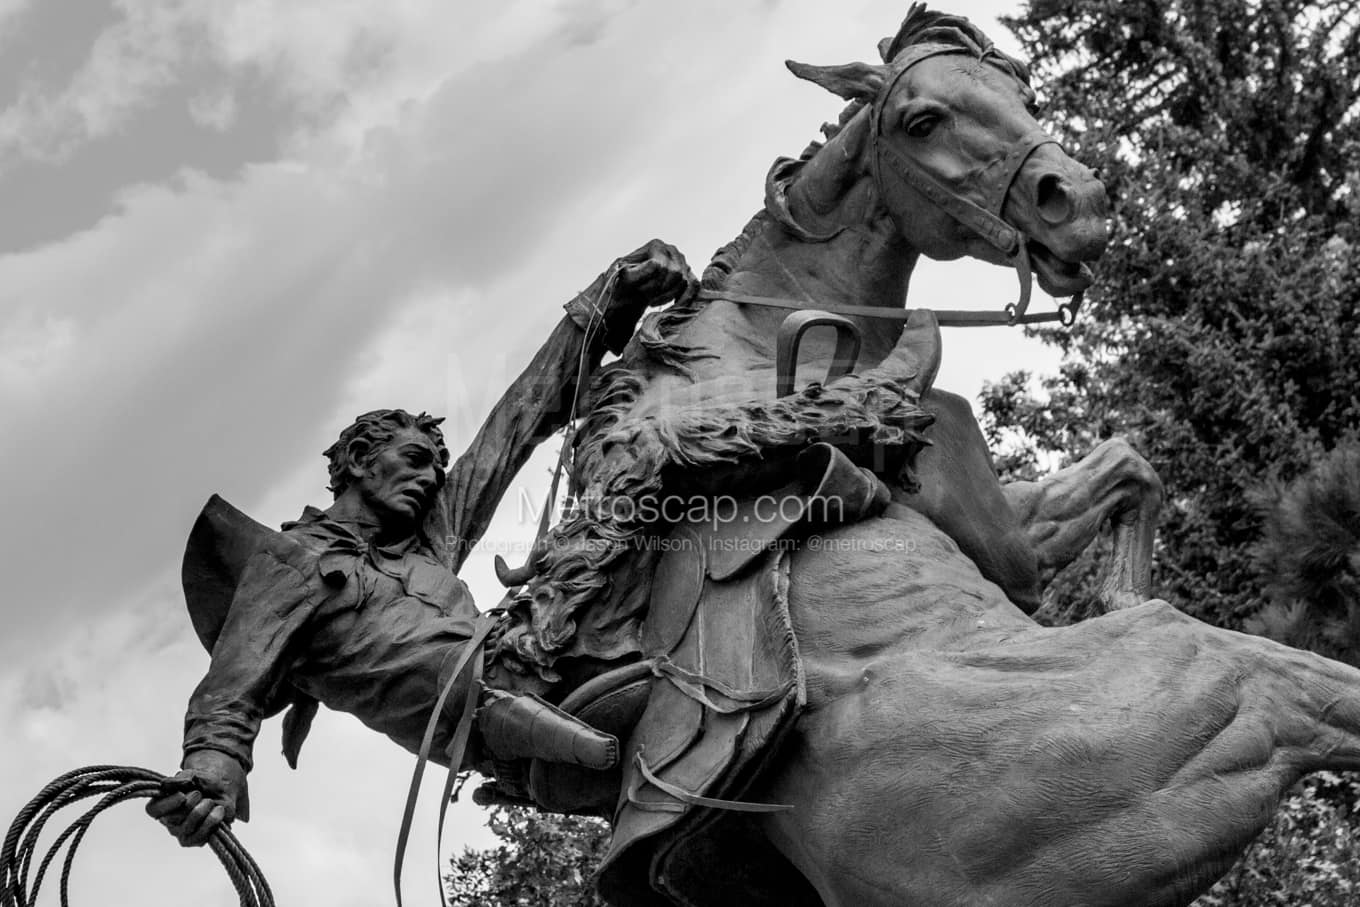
x: 248, y: 663
x: 539, y: 401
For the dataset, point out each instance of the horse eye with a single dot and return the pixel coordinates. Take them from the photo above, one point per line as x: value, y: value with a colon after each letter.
x: 918, y: 127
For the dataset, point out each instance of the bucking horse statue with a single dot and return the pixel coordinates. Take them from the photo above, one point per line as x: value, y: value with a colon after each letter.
x: 826, y: 676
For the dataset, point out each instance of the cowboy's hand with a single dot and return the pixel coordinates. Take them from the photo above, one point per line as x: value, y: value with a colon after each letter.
x: 652, y: 275
x: 201, y: 798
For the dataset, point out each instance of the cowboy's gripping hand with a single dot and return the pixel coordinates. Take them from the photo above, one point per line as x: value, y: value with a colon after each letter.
x: 203, y: 797
x: 652, y: 275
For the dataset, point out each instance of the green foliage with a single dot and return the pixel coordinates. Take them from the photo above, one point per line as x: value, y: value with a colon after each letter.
x: 544, y: 860
x: 1309, y: 555
x: 1223, y: 336
x: 1306, y: 857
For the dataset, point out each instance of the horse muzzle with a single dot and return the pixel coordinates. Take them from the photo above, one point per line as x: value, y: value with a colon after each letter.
x: 1063, y: 211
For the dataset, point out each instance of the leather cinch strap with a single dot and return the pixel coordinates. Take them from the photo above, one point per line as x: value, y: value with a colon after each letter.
x: 685, y: 797
x: 471, y: 655
x: 696, y: 687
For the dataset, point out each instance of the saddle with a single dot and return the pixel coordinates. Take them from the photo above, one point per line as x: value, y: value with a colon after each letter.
x: 720, y: 681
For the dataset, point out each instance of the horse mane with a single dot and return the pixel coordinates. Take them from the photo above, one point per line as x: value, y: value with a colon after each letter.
x: 922, y: 26
x: 618, y: 457
x: 651, y: 457
x: 725, y: 260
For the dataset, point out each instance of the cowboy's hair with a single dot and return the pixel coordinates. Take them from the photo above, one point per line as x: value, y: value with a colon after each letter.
x: 377, y: 429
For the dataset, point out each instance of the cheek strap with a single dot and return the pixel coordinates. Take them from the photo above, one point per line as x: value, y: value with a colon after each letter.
x: 988, y: 224
x: 984, y: 221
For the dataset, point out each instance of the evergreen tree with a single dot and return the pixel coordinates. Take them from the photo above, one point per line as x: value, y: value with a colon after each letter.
x: 1309, y: 556
x: 543, y: 860
x: 1223, y: 335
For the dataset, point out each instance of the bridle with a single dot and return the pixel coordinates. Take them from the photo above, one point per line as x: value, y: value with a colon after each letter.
x: 983, y: 219
x: 999, y: 175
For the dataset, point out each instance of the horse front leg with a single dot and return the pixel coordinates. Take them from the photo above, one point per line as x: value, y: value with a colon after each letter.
x: 1063, y: 513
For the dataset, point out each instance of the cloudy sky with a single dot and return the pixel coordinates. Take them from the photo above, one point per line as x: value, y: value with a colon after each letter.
x: 231, y: 225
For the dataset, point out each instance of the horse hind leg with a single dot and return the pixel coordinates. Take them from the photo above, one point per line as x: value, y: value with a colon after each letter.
x: 1063, y: 513
x: 1287, y: 713
x: 1234, y: 722
x: 1161, y: 749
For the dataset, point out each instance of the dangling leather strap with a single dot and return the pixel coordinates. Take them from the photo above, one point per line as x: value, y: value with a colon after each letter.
x: 457, y: 747
x: 472, y: 651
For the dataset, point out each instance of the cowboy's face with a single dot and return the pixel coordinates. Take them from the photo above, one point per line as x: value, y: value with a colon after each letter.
x: 399, y: 481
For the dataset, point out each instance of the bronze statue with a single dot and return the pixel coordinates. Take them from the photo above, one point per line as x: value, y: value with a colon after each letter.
x: 840, y: 699
x: 358, y: 606
x: 854, y: 707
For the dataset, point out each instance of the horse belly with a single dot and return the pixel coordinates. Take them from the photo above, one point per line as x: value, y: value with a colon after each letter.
x: 893, y: 581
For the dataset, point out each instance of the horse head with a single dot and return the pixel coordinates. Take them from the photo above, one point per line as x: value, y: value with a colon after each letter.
x: 942, y: 135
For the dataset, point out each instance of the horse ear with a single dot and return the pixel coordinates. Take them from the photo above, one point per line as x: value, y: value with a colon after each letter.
x: 852, y: 81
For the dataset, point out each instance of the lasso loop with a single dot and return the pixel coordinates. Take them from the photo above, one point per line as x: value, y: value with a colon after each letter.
x: 111, y: 784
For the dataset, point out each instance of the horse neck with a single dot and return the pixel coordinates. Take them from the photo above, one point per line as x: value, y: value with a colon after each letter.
x: 863, y: 264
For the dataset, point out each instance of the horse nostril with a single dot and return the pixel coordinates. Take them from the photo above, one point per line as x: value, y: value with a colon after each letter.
x: 1052, y: 199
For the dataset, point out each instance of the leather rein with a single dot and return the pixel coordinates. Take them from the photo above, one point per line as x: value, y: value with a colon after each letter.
x: 998, y: 176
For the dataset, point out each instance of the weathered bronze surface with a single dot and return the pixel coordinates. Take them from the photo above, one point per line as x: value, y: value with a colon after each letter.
x: 359, y: 606
x: 938, y: 746
x: 841, y: 705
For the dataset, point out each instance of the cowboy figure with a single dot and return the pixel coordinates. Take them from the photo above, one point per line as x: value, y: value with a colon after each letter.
x: 359, y: 606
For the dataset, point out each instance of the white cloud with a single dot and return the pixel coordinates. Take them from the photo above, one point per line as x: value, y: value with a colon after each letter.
x: 32, y: 346
x: 195, y: 304
x: 11, y: 12
x: 215, y: 110
x: 127, y: 65
x: 338, y: 63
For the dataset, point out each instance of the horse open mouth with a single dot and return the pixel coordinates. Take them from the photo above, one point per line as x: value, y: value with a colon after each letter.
x: 1057, y: 276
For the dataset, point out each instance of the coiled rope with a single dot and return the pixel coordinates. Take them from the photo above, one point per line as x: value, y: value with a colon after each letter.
x: 111, y: 784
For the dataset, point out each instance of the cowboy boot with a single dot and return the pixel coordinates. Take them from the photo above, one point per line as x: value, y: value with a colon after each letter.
x: 523, y: 726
